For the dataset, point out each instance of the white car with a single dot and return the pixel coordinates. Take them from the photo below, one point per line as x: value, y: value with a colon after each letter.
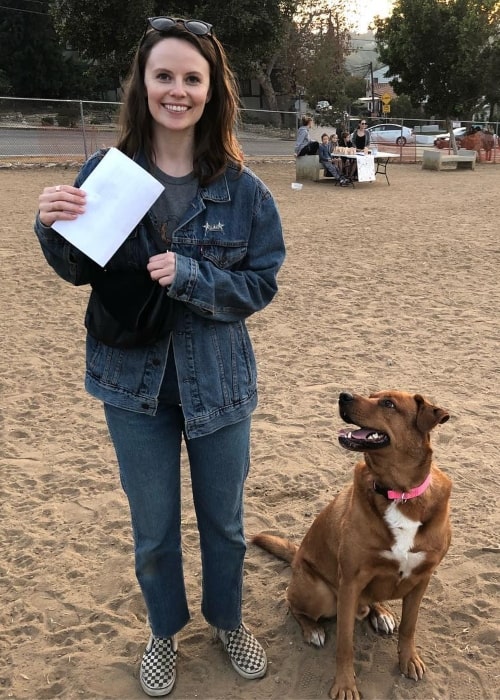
x: 391, y: 133
x: 443, y: 140
x: 322, y: 105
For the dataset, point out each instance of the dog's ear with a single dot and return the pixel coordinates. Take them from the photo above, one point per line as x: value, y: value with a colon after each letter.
x: 428, y: 416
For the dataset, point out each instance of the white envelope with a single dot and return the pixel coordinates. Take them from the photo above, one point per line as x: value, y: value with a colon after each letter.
x: 119, y: 193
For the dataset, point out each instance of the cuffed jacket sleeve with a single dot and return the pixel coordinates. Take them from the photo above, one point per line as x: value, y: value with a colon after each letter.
x: 235, y: 273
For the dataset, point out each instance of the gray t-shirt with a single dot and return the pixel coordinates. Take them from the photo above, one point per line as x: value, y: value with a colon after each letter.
x: 172, y: 203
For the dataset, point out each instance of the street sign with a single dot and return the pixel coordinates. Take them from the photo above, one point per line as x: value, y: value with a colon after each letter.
x: 386, y: 98
x: 386, y: 109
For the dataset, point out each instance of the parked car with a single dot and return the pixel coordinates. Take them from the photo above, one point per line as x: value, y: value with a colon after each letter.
x: 322, y: 105
x: 443, y: 140
x: 391, y: 133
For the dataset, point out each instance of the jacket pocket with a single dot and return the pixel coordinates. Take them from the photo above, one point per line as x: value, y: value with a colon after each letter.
x: 224, y: 254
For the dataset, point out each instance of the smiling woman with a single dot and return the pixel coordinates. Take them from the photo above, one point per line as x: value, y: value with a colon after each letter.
x: 199, y: 264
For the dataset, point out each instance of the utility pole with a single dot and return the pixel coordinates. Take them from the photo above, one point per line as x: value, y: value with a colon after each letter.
x: 373, y: 111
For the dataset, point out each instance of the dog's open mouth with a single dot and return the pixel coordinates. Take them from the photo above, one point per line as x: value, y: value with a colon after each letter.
x: 362, y: 439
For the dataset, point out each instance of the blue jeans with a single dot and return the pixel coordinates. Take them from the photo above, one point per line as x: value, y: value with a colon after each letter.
x: 148, y: 449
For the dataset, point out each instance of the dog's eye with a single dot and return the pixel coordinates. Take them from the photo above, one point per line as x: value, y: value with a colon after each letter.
x: 387, y: 403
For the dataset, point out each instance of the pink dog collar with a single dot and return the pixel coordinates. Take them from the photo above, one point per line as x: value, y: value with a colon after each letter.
x: 402, y: 495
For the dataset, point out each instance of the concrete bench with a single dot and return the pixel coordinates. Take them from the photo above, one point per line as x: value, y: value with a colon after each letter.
x: 437, y: 160
x: 308, y: 168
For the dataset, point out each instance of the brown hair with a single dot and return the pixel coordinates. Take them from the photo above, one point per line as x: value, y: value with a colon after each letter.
x: 216, y: 144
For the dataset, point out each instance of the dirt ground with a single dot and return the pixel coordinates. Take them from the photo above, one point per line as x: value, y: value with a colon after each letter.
x: 383, y: 287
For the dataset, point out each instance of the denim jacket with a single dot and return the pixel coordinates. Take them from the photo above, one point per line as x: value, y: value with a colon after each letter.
x: 229, y: 247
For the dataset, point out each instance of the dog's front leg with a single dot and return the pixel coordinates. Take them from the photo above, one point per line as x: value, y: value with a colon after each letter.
x: 410, y: 662
x: 344, y: 686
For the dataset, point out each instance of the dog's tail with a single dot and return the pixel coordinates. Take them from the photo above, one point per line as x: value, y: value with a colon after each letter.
x: 280, y: 547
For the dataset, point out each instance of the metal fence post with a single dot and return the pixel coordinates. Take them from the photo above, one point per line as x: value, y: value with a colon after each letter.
x: 83, y: 130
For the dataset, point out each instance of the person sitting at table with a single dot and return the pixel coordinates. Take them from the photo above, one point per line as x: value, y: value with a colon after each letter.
x: 348, y: 164
x: 360, y: 137
x: 325, y: 159
x: 304, y: 146
x: 334, y: 147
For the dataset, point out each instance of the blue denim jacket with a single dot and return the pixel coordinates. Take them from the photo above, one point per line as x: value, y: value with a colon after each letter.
x: 229, y: 247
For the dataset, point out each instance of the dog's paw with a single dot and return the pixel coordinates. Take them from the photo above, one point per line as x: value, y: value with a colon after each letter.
x: 382, y: 620
x: 316, y: 636
x: 344, y: 689
x: 411, y: 665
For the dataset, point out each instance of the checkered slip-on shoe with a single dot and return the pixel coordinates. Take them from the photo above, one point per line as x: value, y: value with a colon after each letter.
x: 158, y: 672
x: 247, y: 655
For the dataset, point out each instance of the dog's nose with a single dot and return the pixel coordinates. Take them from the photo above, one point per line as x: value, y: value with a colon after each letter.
x: 345, y: 397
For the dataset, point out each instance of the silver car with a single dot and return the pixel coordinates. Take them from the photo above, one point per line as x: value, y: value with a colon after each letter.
x: 391, y: 133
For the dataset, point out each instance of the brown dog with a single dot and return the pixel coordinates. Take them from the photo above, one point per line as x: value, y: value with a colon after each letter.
x: 379, y: 539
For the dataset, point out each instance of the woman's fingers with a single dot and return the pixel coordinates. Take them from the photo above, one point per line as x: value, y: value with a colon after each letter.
x: 61, y: 203
x: 162, y: 268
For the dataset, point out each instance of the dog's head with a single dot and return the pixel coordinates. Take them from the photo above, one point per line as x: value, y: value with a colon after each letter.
x: 387, y: 418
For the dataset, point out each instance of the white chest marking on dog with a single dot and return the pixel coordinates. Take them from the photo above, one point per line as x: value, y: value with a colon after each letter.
x: 404, y: 531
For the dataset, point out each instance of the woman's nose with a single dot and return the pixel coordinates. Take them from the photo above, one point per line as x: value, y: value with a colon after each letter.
x: 178, y: 87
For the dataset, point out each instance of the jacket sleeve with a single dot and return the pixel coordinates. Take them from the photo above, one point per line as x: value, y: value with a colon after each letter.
x: 234, y: 294
x: 66, y: 260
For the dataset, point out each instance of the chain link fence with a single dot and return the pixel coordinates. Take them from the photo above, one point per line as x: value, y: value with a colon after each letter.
x: 38, y: 131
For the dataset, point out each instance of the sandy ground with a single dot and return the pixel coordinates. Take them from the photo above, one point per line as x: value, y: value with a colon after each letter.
x: 384, y: 287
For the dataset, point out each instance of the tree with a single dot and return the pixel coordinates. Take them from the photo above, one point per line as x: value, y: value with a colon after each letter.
x: 492, y: 78
x: 324, y: 33
x: 105, y: 34
x: 252, y: 39
x: 30, y: 53
x: 436, y: 50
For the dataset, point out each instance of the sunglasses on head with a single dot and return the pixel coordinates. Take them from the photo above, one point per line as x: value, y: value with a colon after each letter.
x: 163, y: 24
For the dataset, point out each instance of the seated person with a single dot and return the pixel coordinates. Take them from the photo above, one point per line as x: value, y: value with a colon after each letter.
x: 334, y: 146
x: 331, y: 170
x: 304, y: 146
x: 348, y: 164
x: 360, y: 137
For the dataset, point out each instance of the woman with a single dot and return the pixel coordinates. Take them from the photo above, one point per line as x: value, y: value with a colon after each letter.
x: 213, y: 242
x: 304, y: 146
x: 360, y: 137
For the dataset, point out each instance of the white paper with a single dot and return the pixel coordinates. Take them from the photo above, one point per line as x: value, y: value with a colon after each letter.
x: 119, y: 193
x: 366, y: 168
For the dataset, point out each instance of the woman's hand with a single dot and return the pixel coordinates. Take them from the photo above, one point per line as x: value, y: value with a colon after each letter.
x: 61, y: 203
x: 162, y: 268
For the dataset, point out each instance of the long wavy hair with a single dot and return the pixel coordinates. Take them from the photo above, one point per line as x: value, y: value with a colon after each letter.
x: 216, y: 144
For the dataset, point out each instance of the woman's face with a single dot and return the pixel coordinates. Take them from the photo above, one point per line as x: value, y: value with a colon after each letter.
x: 177, y: 84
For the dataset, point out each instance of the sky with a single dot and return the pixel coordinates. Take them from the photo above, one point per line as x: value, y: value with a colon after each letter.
x: 366, y: 11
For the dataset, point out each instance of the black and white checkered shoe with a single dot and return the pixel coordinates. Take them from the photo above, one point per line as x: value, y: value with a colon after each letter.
x: 247, y: 655
x: 158, y: 672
